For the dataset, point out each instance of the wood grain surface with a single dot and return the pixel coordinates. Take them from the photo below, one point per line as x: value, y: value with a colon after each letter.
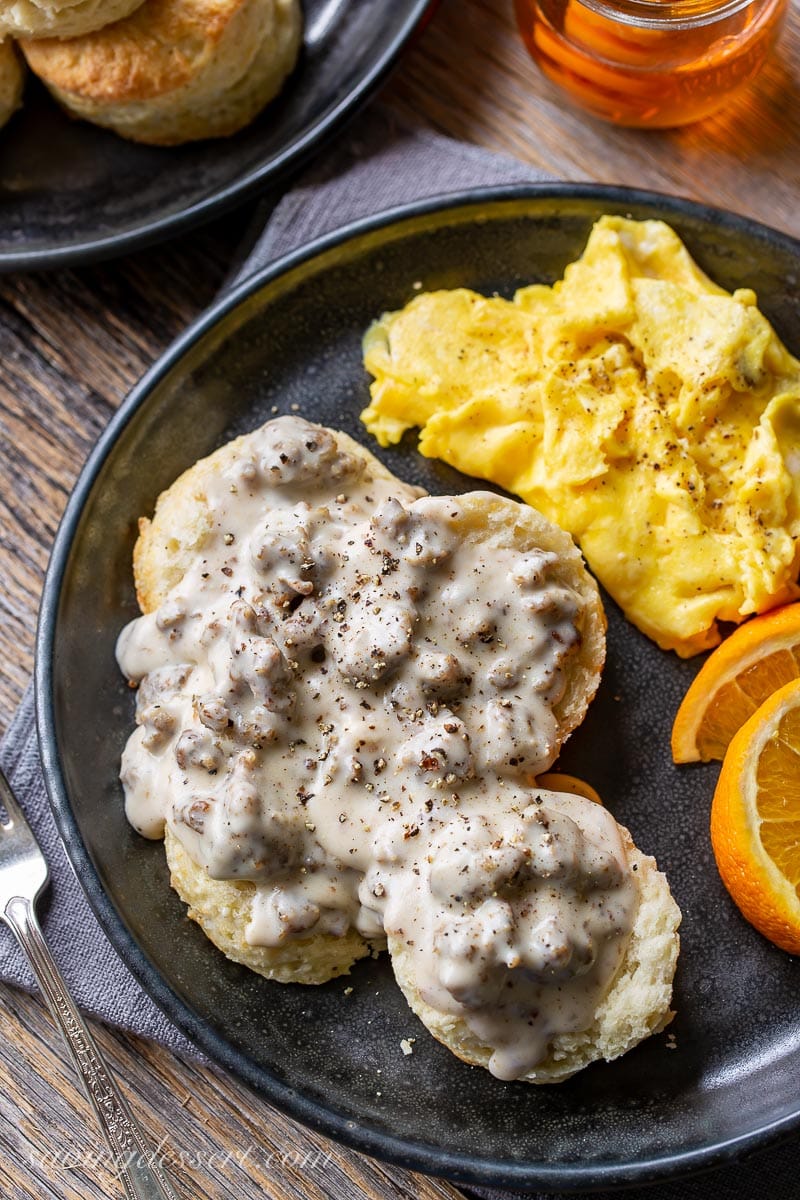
x: 73, y: 342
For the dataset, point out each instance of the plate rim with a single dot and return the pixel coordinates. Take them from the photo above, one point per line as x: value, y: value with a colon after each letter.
x: 258, y: 180
x: 460, y: 1167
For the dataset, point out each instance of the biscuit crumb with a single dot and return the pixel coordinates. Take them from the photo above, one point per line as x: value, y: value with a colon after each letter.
x: 407, y: 1046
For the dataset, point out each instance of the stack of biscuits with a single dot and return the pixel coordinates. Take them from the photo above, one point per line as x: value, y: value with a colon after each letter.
x: 156, y: 71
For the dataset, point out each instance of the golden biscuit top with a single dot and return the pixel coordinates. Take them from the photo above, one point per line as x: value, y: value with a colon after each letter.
x: 159, y: 48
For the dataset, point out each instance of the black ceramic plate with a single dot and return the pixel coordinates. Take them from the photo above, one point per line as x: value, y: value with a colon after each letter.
x: 291, y: 337
x: 71, y: 192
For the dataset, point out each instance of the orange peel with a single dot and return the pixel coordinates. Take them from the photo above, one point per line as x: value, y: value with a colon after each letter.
x: 557, y: 781
x: 758, y: 658
x: 755, y: 818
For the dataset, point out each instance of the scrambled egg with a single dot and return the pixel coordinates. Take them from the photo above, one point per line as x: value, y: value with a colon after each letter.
x: 635, y: 403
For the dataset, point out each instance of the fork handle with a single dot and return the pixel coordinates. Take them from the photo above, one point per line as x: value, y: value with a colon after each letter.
x: 136, y: 1164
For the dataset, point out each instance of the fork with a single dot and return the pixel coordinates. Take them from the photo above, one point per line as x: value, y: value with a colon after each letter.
x: 23, y: 875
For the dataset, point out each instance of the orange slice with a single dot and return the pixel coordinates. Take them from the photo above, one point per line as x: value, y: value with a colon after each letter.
x: 755, y: 818
x: 757, y: 659
x: 555, y: 781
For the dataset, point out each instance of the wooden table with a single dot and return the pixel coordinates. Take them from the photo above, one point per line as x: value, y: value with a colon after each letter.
x: 73, y: 342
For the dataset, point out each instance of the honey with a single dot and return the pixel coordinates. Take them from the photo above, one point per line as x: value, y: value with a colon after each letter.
x: 650, y: 63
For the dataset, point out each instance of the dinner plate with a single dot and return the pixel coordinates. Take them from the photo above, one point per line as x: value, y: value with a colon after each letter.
x: 288, y: 340
x: 72, y: 192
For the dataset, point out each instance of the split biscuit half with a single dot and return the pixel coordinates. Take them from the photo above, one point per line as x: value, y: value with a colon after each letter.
x: 635, y: 1005
x: 222, y: 908
x: 166, y: 547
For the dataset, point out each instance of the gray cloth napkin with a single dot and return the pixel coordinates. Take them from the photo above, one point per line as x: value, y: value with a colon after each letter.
x: 378, y: 164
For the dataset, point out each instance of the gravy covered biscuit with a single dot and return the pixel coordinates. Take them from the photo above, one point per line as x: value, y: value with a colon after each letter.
x: 176, y: 70
x: 345, y: 691
x: 543, y: 941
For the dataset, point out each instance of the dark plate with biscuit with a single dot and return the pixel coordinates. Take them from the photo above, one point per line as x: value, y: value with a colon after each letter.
x: 723, y: 1080
x: 71, y: 192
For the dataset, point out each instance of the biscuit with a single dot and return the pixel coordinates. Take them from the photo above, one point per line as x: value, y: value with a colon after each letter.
x: 60, y: 18
x: 176, y: 70
x: 636, y: 1005
x: 222, y: 910
x: 486, y: 516
x: 12, y: 80
x: 166, y: 546
x: 168, y: 543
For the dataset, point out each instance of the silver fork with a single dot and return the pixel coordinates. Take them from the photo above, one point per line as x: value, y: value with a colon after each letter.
x: 23, y: 875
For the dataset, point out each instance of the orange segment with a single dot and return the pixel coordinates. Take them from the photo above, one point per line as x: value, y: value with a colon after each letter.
x: 755, y: 818
x: 758, y: 658
x: 556, y: 781
x: 778, y: 781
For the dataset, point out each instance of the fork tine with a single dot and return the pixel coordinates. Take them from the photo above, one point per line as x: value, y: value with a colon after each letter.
x: 9, y: 802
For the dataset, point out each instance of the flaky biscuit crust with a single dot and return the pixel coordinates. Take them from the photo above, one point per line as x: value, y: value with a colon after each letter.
x: 176, y: 70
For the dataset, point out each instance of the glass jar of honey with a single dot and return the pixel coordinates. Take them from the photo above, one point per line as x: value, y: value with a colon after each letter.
x: 650, y: 63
